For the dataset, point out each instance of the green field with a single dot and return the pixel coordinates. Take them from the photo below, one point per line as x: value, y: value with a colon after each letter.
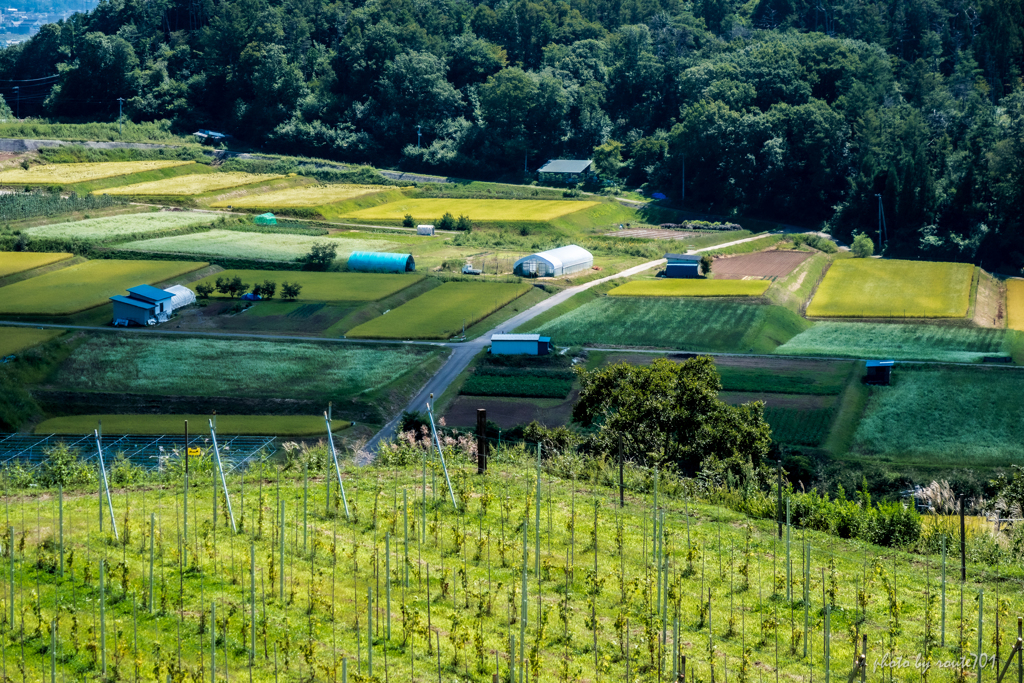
x: 878, y: 288
x: 799, y: 427
x: 89, y: 284
x: 692, y: 324
x: 125, y: 225
x: 251, y: 245
x: 429, y: 210
x: 441, y: 312
x: 822, y: 379
x: 12, y: 262
x: 898, y: 342
x: 325, y: 286
x: 512, y: 381
x: 681, y: 287
x: 946, y: 417
x: 15, y: 339
x: 253, y: 425
x: 219, y: 367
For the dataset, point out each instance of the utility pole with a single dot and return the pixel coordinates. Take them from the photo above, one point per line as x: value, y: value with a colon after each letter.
x: 120, y: 104
x: 419, y: 133
x: 881, y: 223
x: 17, y: 95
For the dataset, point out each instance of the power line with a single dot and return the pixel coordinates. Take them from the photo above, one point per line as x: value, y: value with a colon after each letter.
x: 28, y: 80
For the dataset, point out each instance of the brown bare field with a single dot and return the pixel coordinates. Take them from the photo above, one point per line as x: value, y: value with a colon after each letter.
x: 653, y: 234
x: 761, y: 264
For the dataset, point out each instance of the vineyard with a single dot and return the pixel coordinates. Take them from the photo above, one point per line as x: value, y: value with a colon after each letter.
x: 190, y: 184
x: 59, y: 174
x: 533, y: 572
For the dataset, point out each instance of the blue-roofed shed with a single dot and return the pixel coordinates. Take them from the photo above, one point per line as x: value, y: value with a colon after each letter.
x: 566, y: 170
x: 682, y: 265
x: 144, y: 305
x: 380, y: 262
x: 520, y: 345
x: 878, y: 372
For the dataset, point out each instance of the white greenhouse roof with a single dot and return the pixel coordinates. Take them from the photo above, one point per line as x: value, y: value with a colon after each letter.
x: 515, y: 337
x: 563, y: 256
x: 181, y: 296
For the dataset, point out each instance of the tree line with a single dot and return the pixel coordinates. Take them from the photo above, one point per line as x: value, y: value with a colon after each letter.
x: 833, y: 114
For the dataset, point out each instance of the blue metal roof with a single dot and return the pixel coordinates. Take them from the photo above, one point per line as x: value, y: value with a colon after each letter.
x: 137, y: 303
x: 380, y: 262
x: 880, y: 363
x: 566, y: 166
x: 695, y: 258
x: 150, y: 292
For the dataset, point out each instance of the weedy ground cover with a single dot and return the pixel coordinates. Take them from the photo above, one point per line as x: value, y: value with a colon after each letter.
x: 513, y: 381
x: 250, y: 245
x: 898, y: 342
x: 428, y: 210
x: 89, y: 284
x: 946, y: 417
x: 255, y: 425
x: 692, y: 324
x: 190, y: 184
x: 681, y: 287
x: 113, y: 227
x: 441, y: 312
x: 1015, y: 304
x: 15, y: 339
x: 512, y: 571
x: 316, y: 195
x: 220, y: 367
x: 799, y: 427
x: 879, y: 288
x: 818, y: 378
x: 12, y: 262
x: 59, y: 174
x: 324, y: 286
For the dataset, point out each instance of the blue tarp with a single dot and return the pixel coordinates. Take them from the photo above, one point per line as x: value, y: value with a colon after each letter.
x: 251, y: 297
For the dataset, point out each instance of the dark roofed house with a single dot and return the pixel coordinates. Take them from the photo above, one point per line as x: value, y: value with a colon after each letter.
x: 682, y: 265
x: 566, y: 170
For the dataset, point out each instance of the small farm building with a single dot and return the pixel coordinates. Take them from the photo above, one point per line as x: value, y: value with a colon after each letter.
x: 554, y: 262
x: 566, y: 170
x: 144, y: 305
x: 682, y: 265
x: 520, y: 345
x: 209, y: 137
x: 424, y: 229
x: 380, y: 262
x: 878, y: 372
x: 181, y: 296
x: 265, y: 219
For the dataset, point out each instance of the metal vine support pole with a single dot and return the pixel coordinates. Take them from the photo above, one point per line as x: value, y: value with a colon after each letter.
x: 789, y: 557
x: 103, y: 622
x: 387, y: 582
x: 405, y: 524
x: 305, y: 507
x: 152, y: 524
x: 281, y: 539
x: 807, y: 596
x: 223, y: 481
x: 60, y: 505
x: 981, y: 612
x: 337, y: 467
x: 1015, y: 653
x: 369, y: 631
x: 440, y: 453
x: 10, y: 532
x: 252, y: 603
x: 184, y: 528
x: 213, y: 642
x: 942, y: 642
x: 622, y: 465
x: 53, y: 652
x: 828, y: 640
x: 536, y: 524
x: 779, y: 505
x: 963, y: 544
x: 106, y: 486
x: 522, y: 615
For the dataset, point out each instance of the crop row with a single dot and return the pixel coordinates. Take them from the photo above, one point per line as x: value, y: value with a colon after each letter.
x: 523, y: 384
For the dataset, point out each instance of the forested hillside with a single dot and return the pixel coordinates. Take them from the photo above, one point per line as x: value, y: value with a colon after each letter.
x: 798, y: 110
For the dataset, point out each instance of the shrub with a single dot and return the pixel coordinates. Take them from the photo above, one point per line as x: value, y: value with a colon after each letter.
x: 464, y: 224
x: 290, y: 291
x: 204, y: 290
x: 321, y: 255
x: 408, y: 222
x: 63, y: 467
x: 446, y: 222
x: 862, y: 246
x: 705, y: 264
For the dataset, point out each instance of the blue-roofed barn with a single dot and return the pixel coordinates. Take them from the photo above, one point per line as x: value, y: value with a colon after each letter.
x: 520, y: 345
x: 380, y: 262
x: 566, y: 170
x: 682, y: 265
x: 878, y: 372
x: 144, y: 305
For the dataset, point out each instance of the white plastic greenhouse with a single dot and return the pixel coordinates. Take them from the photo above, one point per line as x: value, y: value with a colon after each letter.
x: 183, y: 296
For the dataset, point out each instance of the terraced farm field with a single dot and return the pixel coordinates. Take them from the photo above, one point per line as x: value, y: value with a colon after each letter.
x: 251, y: 245
x: 60, y: 174
x: 15, y: 339
x: 762, y: 264
x: 12, y: 262
x: 86, y: 285
x: 1015, y: 304
x: 254, y: 425
x: 694, y: 287
x: 878, y: 288
x: 326, y: 286
x: 316, y: 195
x: 428, y: 210
x: 187, y: 185
x: 441, y: 312
x: 898, y: 342
x: 125, y: 225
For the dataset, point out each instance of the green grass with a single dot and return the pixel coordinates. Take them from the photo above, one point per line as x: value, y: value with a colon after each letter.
x: 793, y: 290
x: 89, y: 284
x: 898, y: 342
x: 251, y: 245
x: 127, y: 131
x: 111, y: 228
x: 15, y: 339
x: 799, y: 427
x: 819, y: 380
x: 254, y: 425
x: 220, y: 367
x: 877, y: 288
x: 12, y: 262
x: 441, y: 312
x: 324, y: 286
x: 692, y: 324
x: 694, y: 287
x: 512, y: 381
x: 951, y: 417
x: 749, y: 247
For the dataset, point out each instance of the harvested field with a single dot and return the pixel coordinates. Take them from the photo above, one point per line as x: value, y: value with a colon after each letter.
x: 653, y: 234
x: 761, y: 264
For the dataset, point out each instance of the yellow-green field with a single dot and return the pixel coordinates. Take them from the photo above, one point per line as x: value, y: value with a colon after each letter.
x: 316, y: 195
x: 14, y: 339
x: 879, y: 288
x: 694, y: 287
x: 441, y: 312
x: 58, y: 174
x: 1015, y: 304
x: 190, y: 184
x: 89, y: 284
x: 429, y: 210
x: 19, y: 261
x: 255, y: 425
x: 326, y: 286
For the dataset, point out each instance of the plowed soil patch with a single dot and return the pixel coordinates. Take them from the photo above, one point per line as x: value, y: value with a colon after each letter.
x: 762, y: 264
